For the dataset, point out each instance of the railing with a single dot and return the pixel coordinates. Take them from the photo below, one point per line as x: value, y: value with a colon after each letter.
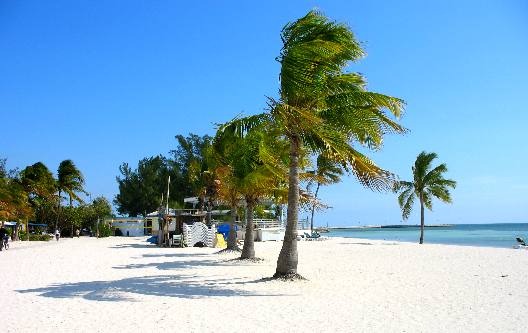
x: 270, y: 223
x: 303, y: 224
x: 267, y: 223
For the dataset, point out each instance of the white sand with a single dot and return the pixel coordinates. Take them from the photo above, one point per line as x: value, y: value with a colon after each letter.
x: 123, y: 285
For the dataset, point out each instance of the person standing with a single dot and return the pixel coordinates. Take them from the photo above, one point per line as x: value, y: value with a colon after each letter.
x: 4, y: 237
x: 57, y: 234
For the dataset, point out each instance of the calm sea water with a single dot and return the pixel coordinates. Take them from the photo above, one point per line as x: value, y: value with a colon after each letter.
x: 493, y: 235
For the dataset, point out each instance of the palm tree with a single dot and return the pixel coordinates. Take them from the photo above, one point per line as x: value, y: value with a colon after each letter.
x: 428, y: 183
x: 71, y: 181
x: 249, y: 172
x: 327, y: 172
x: 323, y: 109
x: 229, y: 193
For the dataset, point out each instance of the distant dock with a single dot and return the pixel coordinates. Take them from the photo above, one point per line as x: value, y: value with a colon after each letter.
x: 392, y: 226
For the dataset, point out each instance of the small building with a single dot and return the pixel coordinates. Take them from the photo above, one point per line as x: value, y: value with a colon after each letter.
x: 128, y: 226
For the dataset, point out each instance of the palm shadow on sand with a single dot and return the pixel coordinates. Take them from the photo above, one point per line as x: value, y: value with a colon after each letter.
x: 181, y: 286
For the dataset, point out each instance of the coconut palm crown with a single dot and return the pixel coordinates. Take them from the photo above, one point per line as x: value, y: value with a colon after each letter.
x: 428, y: 183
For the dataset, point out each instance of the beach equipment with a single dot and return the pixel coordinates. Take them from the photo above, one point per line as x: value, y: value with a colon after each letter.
x: 177, y: 240
x: 224, y: 229
x: 521, y: 245
x: 198, y: 232
x: 220, y: 241
x: 314, y: 235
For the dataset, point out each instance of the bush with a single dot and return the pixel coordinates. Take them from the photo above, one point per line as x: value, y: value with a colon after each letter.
x: 35, y: 237
x: 104, y: 230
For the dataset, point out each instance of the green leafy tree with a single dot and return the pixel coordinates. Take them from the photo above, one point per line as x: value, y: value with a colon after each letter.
x: 140, y: 189
x: 41, y: 189
x: 428, y: 183
x: 14, y: 200
x: 195, y: 160
x: 195, y: 157
x: 323, y: 109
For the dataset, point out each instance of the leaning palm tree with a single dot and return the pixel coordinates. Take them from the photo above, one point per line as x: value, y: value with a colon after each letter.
x: 70, y: 181
x: 323, y: 109
x: 428, y: 183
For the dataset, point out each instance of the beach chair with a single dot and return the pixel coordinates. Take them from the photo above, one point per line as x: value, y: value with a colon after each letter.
x: 177, y: 240
x: 313, y: 236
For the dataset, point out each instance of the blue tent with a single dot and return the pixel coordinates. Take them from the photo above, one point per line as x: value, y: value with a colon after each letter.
x: 224, y: 229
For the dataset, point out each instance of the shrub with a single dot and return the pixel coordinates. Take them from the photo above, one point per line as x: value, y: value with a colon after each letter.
x: 104, y: 230
x: 35, y: 237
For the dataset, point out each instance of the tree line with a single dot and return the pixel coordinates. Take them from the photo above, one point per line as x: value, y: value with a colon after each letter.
x: 33, y: 194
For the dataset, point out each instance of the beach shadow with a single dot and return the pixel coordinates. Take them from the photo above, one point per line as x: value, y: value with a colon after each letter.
x: 356, y: 243
x: 133, y: 245
x: 185, y: 264
x: 180, y: 286
x: 168, y: 265
x: 176, y: 255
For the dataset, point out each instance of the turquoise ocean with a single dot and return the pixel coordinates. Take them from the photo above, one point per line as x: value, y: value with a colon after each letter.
x: 491, y: 235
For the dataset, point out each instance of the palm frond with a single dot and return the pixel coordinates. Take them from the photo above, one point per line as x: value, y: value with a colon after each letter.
x: 407, y: 207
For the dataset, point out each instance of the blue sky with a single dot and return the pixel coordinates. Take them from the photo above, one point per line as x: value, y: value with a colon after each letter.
x: 113, y: 81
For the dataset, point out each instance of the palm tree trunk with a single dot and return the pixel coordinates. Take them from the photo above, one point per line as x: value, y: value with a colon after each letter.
x: 313, y: 207
x: 58, y: 212
x: 161, y: 226
x: 16, y: 231
x: 421, y: 221
x: 231, y: 236
x: 248, y: 251
x: 209, y: 210
x: 71, y: 205
x: 288, y: 257
x: 27, y: 229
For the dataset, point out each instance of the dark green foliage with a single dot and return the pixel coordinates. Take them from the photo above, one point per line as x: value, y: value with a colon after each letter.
x: 140, y: 189
x: 84, y: 216
x: 104, y: 230
x: 34, y: 195
x: 41, y: 188
x: 35, y: 237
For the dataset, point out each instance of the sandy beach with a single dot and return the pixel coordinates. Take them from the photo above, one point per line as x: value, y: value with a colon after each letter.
x: 124, y: 284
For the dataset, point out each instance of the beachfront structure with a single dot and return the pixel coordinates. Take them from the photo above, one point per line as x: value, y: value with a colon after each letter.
x: 128, y: 226
x: 271, y: 230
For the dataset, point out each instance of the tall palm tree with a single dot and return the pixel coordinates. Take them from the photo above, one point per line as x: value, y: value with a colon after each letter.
x: 70, y: 181
x: 428, y: 183
x: 324, y: 109
x: 326, y: 172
